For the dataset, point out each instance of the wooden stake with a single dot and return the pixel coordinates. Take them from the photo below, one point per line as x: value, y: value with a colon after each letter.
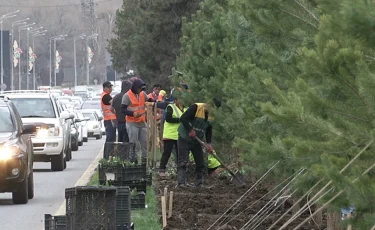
x: 166, y: 194
x: 154, y: 136
x: 170, y: 204
x: 164, y: 211
x: 348, y: 216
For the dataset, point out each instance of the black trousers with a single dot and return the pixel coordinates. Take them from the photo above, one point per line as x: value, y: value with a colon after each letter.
x: 184, y: 147
x: 122, y: 133
x: 168, y: 147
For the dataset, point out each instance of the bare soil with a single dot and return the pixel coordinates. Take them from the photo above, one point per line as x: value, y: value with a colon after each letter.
x: 199, y: 208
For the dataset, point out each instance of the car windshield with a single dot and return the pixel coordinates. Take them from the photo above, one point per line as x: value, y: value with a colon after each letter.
x: 34, y: 107
x: 90, y: 115
x: 91, y: 105
x: 5, y: 120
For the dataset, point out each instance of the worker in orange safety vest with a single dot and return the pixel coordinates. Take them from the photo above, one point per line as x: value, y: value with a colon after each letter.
x: 109, y: 116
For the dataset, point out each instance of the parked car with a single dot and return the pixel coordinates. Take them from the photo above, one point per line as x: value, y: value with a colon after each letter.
x: 93, y: 125
x: 16, y: 154
x: 52, y: 141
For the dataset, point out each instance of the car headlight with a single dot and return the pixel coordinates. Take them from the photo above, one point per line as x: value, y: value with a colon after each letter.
x: 8, y: 151
x: 53, y: 131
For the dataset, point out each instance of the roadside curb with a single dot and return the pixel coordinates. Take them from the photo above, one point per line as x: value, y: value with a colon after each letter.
x: 84, y: 180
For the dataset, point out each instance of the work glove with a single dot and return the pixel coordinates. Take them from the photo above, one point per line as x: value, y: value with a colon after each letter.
x: 192, y: 133
x: 137, y: 115
x: 210, y: 149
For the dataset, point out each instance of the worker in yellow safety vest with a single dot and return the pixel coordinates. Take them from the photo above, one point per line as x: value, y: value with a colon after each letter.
x: 212, y: 164
x: 170, y: 133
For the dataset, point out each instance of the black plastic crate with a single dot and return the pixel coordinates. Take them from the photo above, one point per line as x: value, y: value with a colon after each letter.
x: 123, y: 150
x: 125, y: 227
x: 54, y: 222
x: 123, y: 206
x: 91, y: 207
x: 139, y: 201
x: 140, y: 186
x: 131, y: 173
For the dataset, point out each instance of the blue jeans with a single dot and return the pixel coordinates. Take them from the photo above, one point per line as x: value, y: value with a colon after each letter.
x: 110, y: 131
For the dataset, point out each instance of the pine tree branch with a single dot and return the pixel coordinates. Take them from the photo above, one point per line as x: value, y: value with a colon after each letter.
x: 293, y: 15
x: 348, y: 115
x: 356, y: 93
x: 307, y: 10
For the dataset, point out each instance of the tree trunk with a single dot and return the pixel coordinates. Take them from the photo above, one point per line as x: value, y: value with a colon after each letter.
x: 319, y: 217
x: 333, y: 220
x: 297, y: 207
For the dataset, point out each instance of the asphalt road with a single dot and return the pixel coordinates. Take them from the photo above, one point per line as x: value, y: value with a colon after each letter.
x: 49, y: 190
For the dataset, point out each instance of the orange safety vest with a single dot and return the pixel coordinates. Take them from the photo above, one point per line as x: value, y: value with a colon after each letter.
x: 152, y: 95
x: 106, y: 109
x: 136, y: 106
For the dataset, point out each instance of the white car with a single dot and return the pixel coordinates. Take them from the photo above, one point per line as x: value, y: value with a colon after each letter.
x: 81, y: 122
x: 95, y: 105
x: 93, y: 125
x: 51, y: 142
x: 84, y: 121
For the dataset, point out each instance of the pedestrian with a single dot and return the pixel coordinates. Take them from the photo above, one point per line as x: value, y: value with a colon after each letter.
x: 170, y: 134
x: 120, y: 116
x: 133, y: 106
x: 155, y: 92
x: 194, y: 123
x: 106, y: 100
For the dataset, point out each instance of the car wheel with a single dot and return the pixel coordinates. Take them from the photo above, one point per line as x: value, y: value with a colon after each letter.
x: 57, y: 162
x: 99, y: 136
x: 80, y: 143
x: 30, y: 185
x: 21, y: 196
x: 65, y: 163
x: 75, y: 147
x: 85, y: 139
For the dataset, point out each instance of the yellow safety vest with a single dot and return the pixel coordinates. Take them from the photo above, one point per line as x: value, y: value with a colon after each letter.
x: 211, y: 162
x: 170, y: 129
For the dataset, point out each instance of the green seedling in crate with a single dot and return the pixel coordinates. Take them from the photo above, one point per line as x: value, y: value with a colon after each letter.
x: 134, y: 192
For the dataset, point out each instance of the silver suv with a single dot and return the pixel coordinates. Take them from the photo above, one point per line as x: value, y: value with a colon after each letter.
x: 51, y: 142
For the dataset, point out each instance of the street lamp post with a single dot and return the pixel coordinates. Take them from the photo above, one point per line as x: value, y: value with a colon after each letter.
x: 36, y: 35
x: 29, y: 32
x: 25, y: 27
x: 16, y: 23
x: 59, y: 37
x: 75, y: 58
x: 87, y: 58
x: 5, y: 16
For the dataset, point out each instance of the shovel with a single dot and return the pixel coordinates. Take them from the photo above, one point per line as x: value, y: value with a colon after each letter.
x: 238, y: 176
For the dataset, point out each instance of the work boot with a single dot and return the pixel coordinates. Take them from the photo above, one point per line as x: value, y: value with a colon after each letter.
x: 162, y: 173
x: 198, y: 179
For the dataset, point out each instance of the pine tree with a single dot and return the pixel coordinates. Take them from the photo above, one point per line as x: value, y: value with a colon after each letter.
x: 147, y: 37
x: 296, y: 80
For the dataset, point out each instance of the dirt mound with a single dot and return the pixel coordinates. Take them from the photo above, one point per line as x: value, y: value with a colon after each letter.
x: 199, y: 208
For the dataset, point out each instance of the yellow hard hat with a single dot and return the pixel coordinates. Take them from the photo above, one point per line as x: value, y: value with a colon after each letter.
x: 163, y: 93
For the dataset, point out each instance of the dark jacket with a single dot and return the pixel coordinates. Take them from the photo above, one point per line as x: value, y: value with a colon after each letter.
x: 116, y: 103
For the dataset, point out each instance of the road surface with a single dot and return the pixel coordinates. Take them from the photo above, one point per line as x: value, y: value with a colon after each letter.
x: 49, y: 190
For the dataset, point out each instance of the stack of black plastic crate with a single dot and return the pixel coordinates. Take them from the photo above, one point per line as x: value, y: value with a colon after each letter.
x: 133, y: 173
